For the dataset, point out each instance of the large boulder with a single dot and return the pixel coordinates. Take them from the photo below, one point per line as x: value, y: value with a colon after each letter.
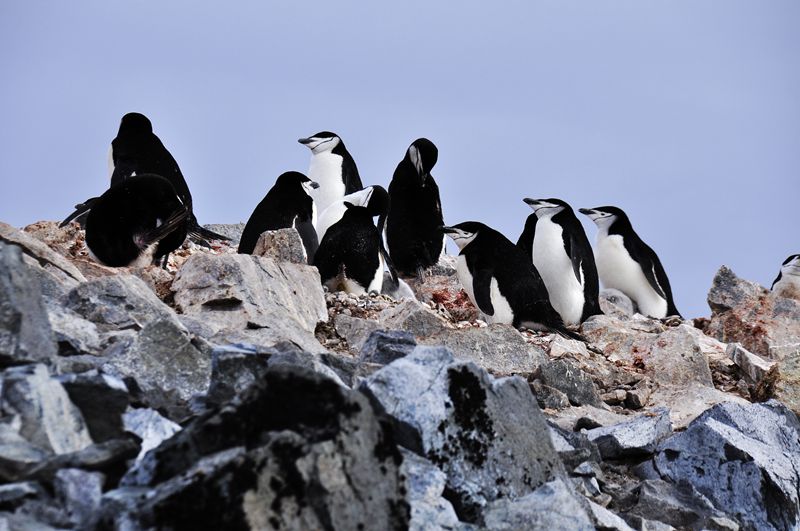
x: 488, y: 435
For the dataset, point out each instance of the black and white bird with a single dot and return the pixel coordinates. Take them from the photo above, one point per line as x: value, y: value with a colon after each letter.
x: 336, y: 210
x: 555, y: 241
x: 287, y: 204
x: 332, y: 167
x: 350, y: 256
x: 136, y: 150
x: 413, y: 227
x: 626, y: 263
x: 787, y: 283
x: 136, y: 223
x: 501, y: 281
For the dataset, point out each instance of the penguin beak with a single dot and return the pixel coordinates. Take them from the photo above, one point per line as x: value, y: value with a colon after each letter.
x: 313, y: 184
x: 585, y: 211
x: 305, y: 141
x: 448, y: 230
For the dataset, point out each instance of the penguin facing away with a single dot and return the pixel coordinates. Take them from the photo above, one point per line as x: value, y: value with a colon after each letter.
x: 287, y: 204
x: 350, y: 256
x: 413, y: 225
x: 336, y: 210
x: 561, y: 252
x: 332, y: 167
x: 626, y: 263
x: 787, y: 283
x: 136, y: 223
x: 501, y: 281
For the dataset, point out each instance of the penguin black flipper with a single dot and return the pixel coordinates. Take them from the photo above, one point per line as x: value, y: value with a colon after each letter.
x: 350, y: 176
x: 145, y: 239
x: 653, y: 271
x: 777, y: 279
x: 525, y: 241
x: 81, y: 209
x: 309, y: 236
x: 386, y: 258
x: 481, y: 285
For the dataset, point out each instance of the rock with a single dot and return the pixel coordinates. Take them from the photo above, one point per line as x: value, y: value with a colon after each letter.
x: 602, y: 518
x: 576, y: 418
x: 295, y: 451
x: 150, y: 427
x: 744, y: 458
x: 551, y: 506
x: 282, y: 245
x: 746, y: 313
x: 49, y: 420
x: 678, y: 505
x: 118, y: 302
x: 754, y: 367
x: 487, y: 435
x: 166, y: 366
x: 384, y: 346
x: 549, y: 397
x: 571, y: 381
x: 17, y: 455
x: 639, y: 396
x: 102, y: 400
x: 80, y: 493
x: 242, y: 291
x: 686, y: 402
x: 615, y: 303
x: 110, y: 457
x: 782, y: 382
x: 73, y: 334
x: 231, y: 230
x: 13, y: 494
x: 23, y: 522
x: 637, y: 437
x: 25, y: 333
x: 234, y: 368
x: 40, y: 252
x: 425, y: 484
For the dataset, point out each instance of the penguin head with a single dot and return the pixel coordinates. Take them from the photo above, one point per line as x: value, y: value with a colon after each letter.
x: 464, y: 233
x: 296, y: 179
x: 321, y: 142
x: 359, y: 197
x: 377, y: 201
x: 422, y: 154
x: 791, y: 266
x: 546, y: 207
x: 135, y: 123
x: 604, y: 216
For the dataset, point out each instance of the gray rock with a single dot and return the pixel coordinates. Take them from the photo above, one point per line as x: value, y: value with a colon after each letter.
x: 234, y: 368
x: 753, y: 366
x: 17, y: 455
x: 552, y: 506
x: 782, y: 382
x: 282, y: 245
x: 604, y: 519
x: 637, y: 437
x: 102, y: 399
x: 80, y: 493
x: 150, y: 427
x: 43, y: 255
x: 678, y: 505
x: 231, y: 230
x: 25, y: 333
x: 385, y: 346
x: 549, y: 397
x: 425, y: 484
x: 111, y: 457
x: 48, y: 419
x: 13, y: 494
x: 744, y: 458
x: 23, y: 522
x: 614, y: 302
x: 119, y: 302
x: 74, y: 334
x: 571, y: 381
x: 487, y: 435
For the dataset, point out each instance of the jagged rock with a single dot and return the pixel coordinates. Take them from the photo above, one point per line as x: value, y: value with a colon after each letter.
x: 571, y: 381
x: 604, y: 519
x: 639, y: 396
x: 73, y: 334
x: 119, y: 302
x: 589, y: 417
x: 385, y: 346
x: 49, y: 420
x: 297, y: 451
x: 549, y: 397
x: 573, y: 448
x: 686, y: 402
x: 487, y: 435
x: 746, y: 313
x: 102, y: 400
x: 636, y: 437
x: 231, y: 230
x: 25, y: 333
x: 110, y: 457
x: 80, y: 493
x: 17, y: 455
x: 614, y: 302
x: 744, y: 459
x: 752, y: 365
x: 166, y: 366
x: 283, y: 245
x: 242, y: 291
x: 13, y: 494
x: 678, y: 505
x: 234, y: 368
x: 551, y: 506
x: 425, y: 484
x: 782, y: 382
x: 44, y: 256
x: 150, y: 427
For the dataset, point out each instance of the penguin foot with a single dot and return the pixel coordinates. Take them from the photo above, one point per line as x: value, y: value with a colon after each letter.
x: 421, y: 274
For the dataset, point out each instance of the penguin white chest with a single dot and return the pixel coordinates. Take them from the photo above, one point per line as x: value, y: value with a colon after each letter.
x: 618, y: 270
x: 788, y: 286
x: 326, y: 170
x: 502, y: 309
x: 555, y: 267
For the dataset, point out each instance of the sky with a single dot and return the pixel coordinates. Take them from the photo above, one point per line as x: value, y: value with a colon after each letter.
x: 684, y: 113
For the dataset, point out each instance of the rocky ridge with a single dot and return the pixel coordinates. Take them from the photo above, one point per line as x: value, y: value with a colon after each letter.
x: 233, y: 392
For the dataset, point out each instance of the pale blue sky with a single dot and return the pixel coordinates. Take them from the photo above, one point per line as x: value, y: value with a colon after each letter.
x: 684, y: 113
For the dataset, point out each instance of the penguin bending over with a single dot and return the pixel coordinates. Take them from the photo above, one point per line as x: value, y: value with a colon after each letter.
x: 350, y: 256
x: 136, y: 223
x: 501, y: 281
x: 332, y: 167
x: 413, y: 226
x: 626, y: 263
x: 787, y: 283
x: 555, y: 241
x: 287, y: 204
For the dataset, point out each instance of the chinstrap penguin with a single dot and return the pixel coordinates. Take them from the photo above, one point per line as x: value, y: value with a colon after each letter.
x: 287, y: 204
x: 787, y: 283
x: 136, y: 223
x: 350, y: 256
x: 626, y: 263
x: 557, y: 244
x: 332, y: 167
x: 501, y: 281
x: 413, y: 227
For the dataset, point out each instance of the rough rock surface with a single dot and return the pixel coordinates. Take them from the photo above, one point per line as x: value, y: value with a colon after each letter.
x: 282, y: 245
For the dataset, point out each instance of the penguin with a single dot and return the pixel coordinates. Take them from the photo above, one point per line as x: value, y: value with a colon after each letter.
x: 136, y: 223
x: 137, y: 150
x: 336, y: 210
x: 287, y: 204
x: 626, y: 263
x: 501, y: 281
x: 557, y: 244
x: 413, y: 226
x: 332, y: 167
x: 351, y: 256
x: 787, y: 283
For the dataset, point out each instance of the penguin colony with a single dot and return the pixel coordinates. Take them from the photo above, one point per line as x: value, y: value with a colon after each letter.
x: 549, y: 279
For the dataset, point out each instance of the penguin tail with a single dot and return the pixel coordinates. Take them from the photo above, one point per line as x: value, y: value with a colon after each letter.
x: 202, y: 235
x: 80, y: 210
x: 569, y: 334
x: 148, y: 238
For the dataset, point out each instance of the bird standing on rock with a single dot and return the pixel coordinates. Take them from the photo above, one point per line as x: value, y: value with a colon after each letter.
x: 787, y: 283
x: 332, y: 167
